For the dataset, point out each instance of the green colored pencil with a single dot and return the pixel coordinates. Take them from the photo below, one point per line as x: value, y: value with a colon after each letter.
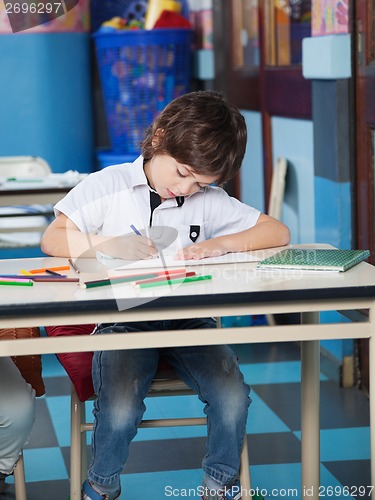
x: 176, y: 281
x: 114, y: 281
x: 17, y: 283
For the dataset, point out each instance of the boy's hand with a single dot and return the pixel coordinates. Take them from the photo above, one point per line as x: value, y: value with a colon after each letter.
x: 208, y: 248
x: 137, y: 246
x: 129, y: 247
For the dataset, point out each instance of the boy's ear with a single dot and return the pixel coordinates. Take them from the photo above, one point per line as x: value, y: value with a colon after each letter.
x: 155, y: 140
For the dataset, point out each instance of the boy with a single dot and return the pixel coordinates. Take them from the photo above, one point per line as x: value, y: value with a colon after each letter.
x: 197, y: 140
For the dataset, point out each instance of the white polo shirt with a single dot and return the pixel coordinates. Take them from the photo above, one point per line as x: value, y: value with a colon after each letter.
x: 109, y: 201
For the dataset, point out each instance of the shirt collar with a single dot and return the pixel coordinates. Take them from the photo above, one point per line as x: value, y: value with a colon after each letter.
x: 138, y: 176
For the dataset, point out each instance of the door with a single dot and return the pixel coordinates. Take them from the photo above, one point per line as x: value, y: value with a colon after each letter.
x: 364, y: 52
x: 258, y: 63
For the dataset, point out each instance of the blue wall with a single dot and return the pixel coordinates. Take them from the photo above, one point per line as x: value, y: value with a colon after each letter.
x: 252, y: 178
x: 333, y: 212
x: 46, y: 101
x: 293, y: 140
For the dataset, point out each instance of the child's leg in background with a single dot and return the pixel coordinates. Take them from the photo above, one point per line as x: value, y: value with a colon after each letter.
x: 17, y: 414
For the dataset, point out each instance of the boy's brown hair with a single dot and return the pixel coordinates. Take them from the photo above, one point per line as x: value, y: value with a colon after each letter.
x: 200, y: 130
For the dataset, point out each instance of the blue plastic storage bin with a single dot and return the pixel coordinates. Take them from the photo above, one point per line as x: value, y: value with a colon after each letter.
x: 103, y: 10
x: 107, y: 158
x: 141, y: 71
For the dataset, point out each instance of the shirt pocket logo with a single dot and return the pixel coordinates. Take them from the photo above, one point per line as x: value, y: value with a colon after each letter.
x: 194, y: 233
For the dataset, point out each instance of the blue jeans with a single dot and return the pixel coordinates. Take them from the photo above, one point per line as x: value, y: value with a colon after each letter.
x: 122, y: 380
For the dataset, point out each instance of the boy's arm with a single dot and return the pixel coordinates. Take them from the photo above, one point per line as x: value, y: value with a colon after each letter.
x: 267, y: 233
x: 63, y: 238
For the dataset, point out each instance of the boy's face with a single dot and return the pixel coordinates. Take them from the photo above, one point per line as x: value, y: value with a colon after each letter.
x: 170, y: 178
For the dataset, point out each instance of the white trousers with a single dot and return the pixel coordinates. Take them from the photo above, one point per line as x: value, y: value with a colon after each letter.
x: 17, y: 414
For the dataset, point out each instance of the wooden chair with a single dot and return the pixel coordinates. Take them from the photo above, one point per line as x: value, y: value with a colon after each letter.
x: 277, y: 188
x: 276, y: 200
x: 165, y: 383
x: 19, y: 480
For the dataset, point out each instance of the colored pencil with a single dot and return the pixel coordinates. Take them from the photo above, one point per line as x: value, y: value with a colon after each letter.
x: 135, y: 230
x: 170, y: 276
x: 114, y: 281
x: 16, y: 278
x: 54, y: 273
x: 44, y: 269
x: 129, y: 278
x: 55, y: 279
x: 176, y: 281
x: 74, y: 266
x: 17, y: 283
x: 29, y: 276
x: 48, y: 276
x: 26, y: 273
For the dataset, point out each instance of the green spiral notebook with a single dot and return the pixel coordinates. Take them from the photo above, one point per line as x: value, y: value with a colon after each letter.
x: 314, y: 259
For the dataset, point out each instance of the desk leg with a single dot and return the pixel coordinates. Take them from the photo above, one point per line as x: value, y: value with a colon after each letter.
x: 310, y: 423
x: 372, y: 394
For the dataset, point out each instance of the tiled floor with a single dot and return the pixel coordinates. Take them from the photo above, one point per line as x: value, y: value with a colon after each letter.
x: 165, y: 463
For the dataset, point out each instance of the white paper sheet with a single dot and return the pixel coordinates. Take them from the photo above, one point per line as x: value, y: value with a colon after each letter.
x: 171, y: 262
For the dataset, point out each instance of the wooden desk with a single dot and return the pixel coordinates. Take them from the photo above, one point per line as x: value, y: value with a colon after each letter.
x: 45, y: 191
x: 236, y: 289
x: 41, y: 196
x: 42, y: 190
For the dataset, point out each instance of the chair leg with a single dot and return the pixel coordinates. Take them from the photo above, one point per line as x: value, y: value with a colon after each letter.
x: 83, y: 444
x: 19, y: 480
x: 245, y: 470
x: 75, y: 447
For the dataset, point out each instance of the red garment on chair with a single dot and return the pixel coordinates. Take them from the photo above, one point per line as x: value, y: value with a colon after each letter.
x: 78, y: 365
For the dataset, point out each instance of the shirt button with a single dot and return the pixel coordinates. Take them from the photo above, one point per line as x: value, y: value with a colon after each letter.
x: 194, y: 234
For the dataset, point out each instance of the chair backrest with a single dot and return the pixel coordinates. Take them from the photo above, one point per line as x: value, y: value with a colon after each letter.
x: 23, y: 166
x: 277, y: 188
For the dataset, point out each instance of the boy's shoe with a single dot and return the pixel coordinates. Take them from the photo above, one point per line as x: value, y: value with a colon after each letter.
x: 232, y: 493
x: 3, y: 485
x: 89, y: 493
